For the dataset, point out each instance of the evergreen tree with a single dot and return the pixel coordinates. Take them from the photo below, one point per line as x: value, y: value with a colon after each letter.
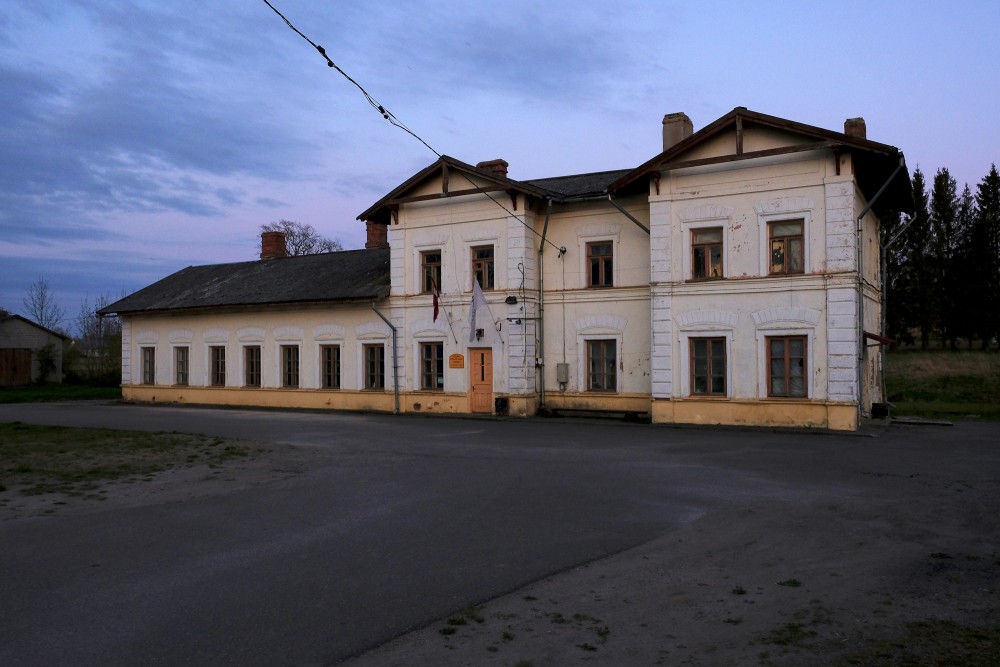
x: 916, y: 277
x: 964, y: 274
x: 986, y: 257
x: 943, y: 246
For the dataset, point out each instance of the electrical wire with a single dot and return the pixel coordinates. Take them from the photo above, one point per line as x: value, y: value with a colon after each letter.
x: 389, y: 116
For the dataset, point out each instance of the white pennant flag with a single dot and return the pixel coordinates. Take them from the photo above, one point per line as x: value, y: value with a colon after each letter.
x: 478, y: 302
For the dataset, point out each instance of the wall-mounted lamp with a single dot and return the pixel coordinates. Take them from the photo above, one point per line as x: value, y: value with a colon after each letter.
x: 511, y: 300
x: 479, y: 334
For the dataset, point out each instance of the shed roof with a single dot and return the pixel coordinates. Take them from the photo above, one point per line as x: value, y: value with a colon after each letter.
x: 348, y: 275
x: 4, y: 317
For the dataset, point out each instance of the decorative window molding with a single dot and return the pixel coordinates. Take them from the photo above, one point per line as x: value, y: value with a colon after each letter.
x: 771, y: 316
x: 180, y: 336
x: 600, y: 229
x: 330, y: 332
x: 429, y: 328
x: 598, y: 323
x: 372, y: 330
x: 706, y: 320
x: 147, y: 337
x: 216, y: 335
x: 706, y: 212
x: 288, y: 334
x: 777, y: 210
x: 250, y: 335
x: 582, y: 345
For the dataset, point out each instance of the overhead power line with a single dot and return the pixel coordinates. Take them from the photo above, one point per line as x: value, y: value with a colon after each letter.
x: 389, y: 116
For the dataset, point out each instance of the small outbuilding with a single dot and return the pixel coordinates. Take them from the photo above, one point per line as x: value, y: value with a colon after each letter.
x: 28, y: 352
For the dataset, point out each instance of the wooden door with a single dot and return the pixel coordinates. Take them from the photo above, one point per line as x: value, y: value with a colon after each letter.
x: 15, y: 367
x: 481, y: 379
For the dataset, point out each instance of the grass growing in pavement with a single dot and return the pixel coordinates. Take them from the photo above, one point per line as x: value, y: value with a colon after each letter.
x: 935, y: 642
x: 943, y: 383
x: 57, y: 392
x: 76, y: 461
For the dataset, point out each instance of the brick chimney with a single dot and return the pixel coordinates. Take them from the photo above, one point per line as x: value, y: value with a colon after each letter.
x: 272, y: 245
x: 498, y: 167
x: 378, y: 235
x: 855, y: 127
x: 676, y: 128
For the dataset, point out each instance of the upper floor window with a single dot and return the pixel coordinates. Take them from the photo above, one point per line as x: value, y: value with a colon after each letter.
x: 786, y: 366
x: 482, y: 266
x: 706, y: 253
x: 330, y: 360
x: 708, y: 366
x: 218, y: 365
x: 289, y: 365
x: 181, y: 365
x: 149, y: 365
x: 432, y: 366
x: 251, y: 366
x: 600, y: 264
x: 602, y: 365
x: 787, y: 246
x: 430, y: 270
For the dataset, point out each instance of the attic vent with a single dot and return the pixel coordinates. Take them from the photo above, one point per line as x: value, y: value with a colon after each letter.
x: 498, y: 166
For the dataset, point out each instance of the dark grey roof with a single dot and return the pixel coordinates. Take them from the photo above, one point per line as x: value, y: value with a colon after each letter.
x: 335, y: 276
x: 579, y: 185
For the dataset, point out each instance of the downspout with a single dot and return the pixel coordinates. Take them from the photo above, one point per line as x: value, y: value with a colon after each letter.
x: 541, y: 310
x: 861, y: 290
x: 395, y: 375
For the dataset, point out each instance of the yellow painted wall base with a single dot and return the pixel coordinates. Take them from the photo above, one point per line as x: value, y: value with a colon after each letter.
x: 836, y: 416
x: 597, y: 402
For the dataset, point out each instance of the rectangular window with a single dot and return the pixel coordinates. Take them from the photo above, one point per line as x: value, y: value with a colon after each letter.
x: 430, y: 270
x: 374, y: 366
x: 706, y: 253
x: 708, y: 366
x: 181, y: 365
x: 330, y: 369
x: 786, y: 364
x: 432, y: 366
x: 482, y: 266
x: 251, y: 365
x: 787, y: 246
x: 602, y: 365
x: 289, y: 365
x: 218, y: 365
x: 600, y: 264
x: 149, y: 365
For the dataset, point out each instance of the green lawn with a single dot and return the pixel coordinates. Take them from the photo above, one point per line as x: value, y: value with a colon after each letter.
x: 57, y: 392
x: 943, y: 383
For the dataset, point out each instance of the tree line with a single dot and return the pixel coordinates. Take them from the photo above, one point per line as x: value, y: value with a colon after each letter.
x: 943, y: 264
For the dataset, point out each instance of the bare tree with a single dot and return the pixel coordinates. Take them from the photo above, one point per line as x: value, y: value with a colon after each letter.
x: 99, y: 343
x: 41, y: 305
x: 302, y: 239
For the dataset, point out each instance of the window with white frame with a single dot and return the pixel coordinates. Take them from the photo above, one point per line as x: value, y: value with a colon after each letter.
x: 217, y: 365
x: 251, y: 366
x: 289, y: 366
x: 182, y: 357
x: 432, y: 366
x: 148, y: 365
x: 329, y: 366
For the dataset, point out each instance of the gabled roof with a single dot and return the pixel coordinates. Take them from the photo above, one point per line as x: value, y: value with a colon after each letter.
x: 875, y: 162
x: 11, y: 316
x: 560, y: 188
x: 349, y: 275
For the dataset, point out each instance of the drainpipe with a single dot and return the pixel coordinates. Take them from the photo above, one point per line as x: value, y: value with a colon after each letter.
x: 861, y: 290
x: 541, y: 309
x: 395, y: 374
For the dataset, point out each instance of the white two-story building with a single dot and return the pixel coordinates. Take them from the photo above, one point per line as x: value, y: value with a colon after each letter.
x: 732, y: 279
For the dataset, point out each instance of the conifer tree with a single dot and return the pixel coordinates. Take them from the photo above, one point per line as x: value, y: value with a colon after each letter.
x: 943, y: 245
x: 963, y: 269
x: 916, y: 277
x: 986, y: 257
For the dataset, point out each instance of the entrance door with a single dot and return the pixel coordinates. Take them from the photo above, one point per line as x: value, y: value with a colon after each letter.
x: 481, y: 379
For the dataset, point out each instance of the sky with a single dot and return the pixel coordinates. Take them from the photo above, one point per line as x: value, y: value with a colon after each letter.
x: 138, y: 137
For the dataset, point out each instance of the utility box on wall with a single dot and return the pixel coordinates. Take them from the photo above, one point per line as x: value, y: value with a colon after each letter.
x: 562, y: 373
